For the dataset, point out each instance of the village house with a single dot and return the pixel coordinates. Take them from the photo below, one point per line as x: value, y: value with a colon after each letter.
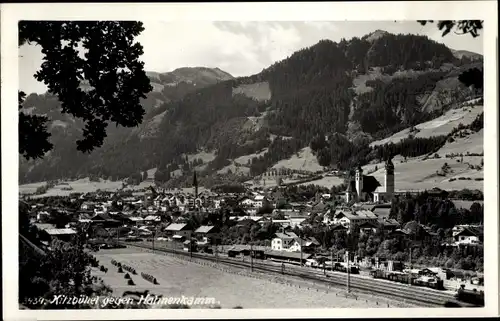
x: 135, y: 220
x: 282, y: 223
x: 122, y: 218
x: 207, y: 234
x: 388, y: 224
x: 152, y: 219
x: 347, y: 218
x: 63, y: 234
x: 278, y: 199
x: 382, y: 210
x: 87, y: 206
x: 401, y: 233
x: 246, y: 201
x: 104, y: 220
x: 42, y: 216
x: 289, y: 241
x: 469, y: 236
x: 178, y: 231
x: 368, y: 228
x: 85, y: 217
x: 296, y: 221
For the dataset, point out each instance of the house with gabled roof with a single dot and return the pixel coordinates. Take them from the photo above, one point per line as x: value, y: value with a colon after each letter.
x: 368, y: 227
x: 63, y: 234
x: 207, y: 234
x: 178, y: 231
x: 388, y: 224
x: 291, y: 242
x: 348, y: 218
x: 469, y: 236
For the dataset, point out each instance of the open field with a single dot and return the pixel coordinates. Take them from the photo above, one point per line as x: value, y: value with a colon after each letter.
x: 30, y: 188
x: 305, y: 160
x: 442, y: 125
x: 79, y: 186
x: 234, y: 168
x: 179, y: 277
x: 473, y: 143
x: 206, y: 157
x: 419, y: 174
x: 243, y: 160
x: 327, y: 181
x: 259, y: 91
x: 270, y: 182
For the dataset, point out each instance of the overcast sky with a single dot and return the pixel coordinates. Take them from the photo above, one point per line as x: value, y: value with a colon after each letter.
x: 241, y: 48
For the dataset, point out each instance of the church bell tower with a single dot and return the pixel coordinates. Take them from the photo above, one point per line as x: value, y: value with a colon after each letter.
x: 389, y: 179
x: 359, y: 182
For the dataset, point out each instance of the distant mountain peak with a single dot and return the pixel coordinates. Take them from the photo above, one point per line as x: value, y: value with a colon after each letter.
x: 376, y: 35
x: 465, y: 53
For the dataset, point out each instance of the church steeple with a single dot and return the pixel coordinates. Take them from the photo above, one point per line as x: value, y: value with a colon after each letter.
x: 195, y: 185
x: 389, y: 166
x: 389, y: 179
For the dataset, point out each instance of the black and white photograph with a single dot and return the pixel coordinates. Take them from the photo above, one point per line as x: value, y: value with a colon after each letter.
x: 233, y: 164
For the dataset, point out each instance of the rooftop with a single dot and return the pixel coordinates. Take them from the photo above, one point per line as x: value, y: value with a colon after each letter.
x: 204, y: 229
x: 176, y: 227
x: 60, y: 231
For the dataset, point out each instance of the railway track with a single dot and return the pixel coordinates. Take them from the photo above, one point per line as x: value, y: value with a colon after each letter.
x: 411, y: 294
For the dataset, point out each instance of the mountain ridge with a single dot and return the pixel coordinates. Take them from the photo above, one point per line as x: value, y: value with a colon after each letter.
x: 283, y: 108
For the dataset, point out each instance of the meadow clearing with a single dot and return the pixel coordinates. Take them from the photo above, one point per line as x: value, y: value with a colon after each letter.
x: 231, y: 287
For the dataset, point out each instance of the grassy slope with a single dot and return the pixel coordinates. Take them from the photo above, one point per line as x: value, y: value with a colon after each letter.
x: 439, y: 126
x: 304, y: 160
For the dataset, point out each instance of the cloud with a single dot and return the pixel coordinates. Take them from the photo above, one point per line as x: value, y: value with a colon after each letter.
x: 242, y: 48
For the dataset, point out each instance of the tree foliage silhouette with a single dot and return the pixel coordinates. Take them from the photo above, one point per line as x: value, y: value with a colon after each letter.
x: 111, y: 70
x: 463, y: 27
x: 472, y: 77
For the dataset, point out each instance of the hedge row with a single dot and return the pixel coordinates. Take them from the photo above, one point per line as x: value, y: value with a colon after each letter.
x: 129, y: 268
x: 149, y: 277
x: 116, y: 263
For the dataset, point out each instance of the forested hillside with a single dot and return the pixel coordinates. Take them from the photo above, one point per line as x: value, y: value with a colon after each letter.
x: 313, y: 101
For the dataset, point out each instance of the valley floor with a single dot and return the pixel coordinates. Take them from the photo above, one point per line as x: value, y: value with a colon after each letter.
x: 230, y: 288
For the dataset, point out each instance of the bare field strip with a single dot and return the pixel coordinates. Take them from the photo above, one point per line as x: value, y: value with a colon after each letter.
x: 230, y: 286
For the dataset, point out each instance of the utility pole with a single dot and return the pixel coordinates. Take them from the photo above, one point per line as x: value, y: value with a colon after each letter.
x: 348, y: 275
x: 216, y: 254
x: 191, y: 246
x: 251, y: 257
x: 409, y: 274
x: 331, y: 260
x: 301, y: 264
x: 154, y: 233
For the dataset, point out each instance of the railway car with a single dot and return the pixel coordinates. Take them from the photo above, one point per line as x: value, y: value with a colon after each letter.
x: 343, y: 268
x: 258, y: 254
x: 407, y: 278
x: 429, y: 282
x: 470, y: 296
x: 284, y: 261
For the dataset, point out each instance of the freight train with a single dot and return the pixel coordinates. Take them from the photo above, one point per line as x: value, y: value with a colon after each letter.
x: 470, y: 296
x: 407, y: 278
x: 342, y: 267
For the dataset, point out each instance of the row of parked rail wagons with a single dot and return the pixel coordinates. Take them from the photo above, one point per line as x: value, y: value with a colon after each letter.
x: 408, y: 278
x: 470, y: 296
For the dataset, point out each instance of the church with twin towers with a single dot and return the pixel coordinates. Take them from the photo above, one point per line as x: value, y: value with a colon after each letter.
x: 365, y: 188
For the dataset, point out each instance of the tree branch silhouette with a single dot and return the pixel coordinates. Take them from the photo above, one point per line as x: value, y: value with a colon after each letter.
x: 111, y: 68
